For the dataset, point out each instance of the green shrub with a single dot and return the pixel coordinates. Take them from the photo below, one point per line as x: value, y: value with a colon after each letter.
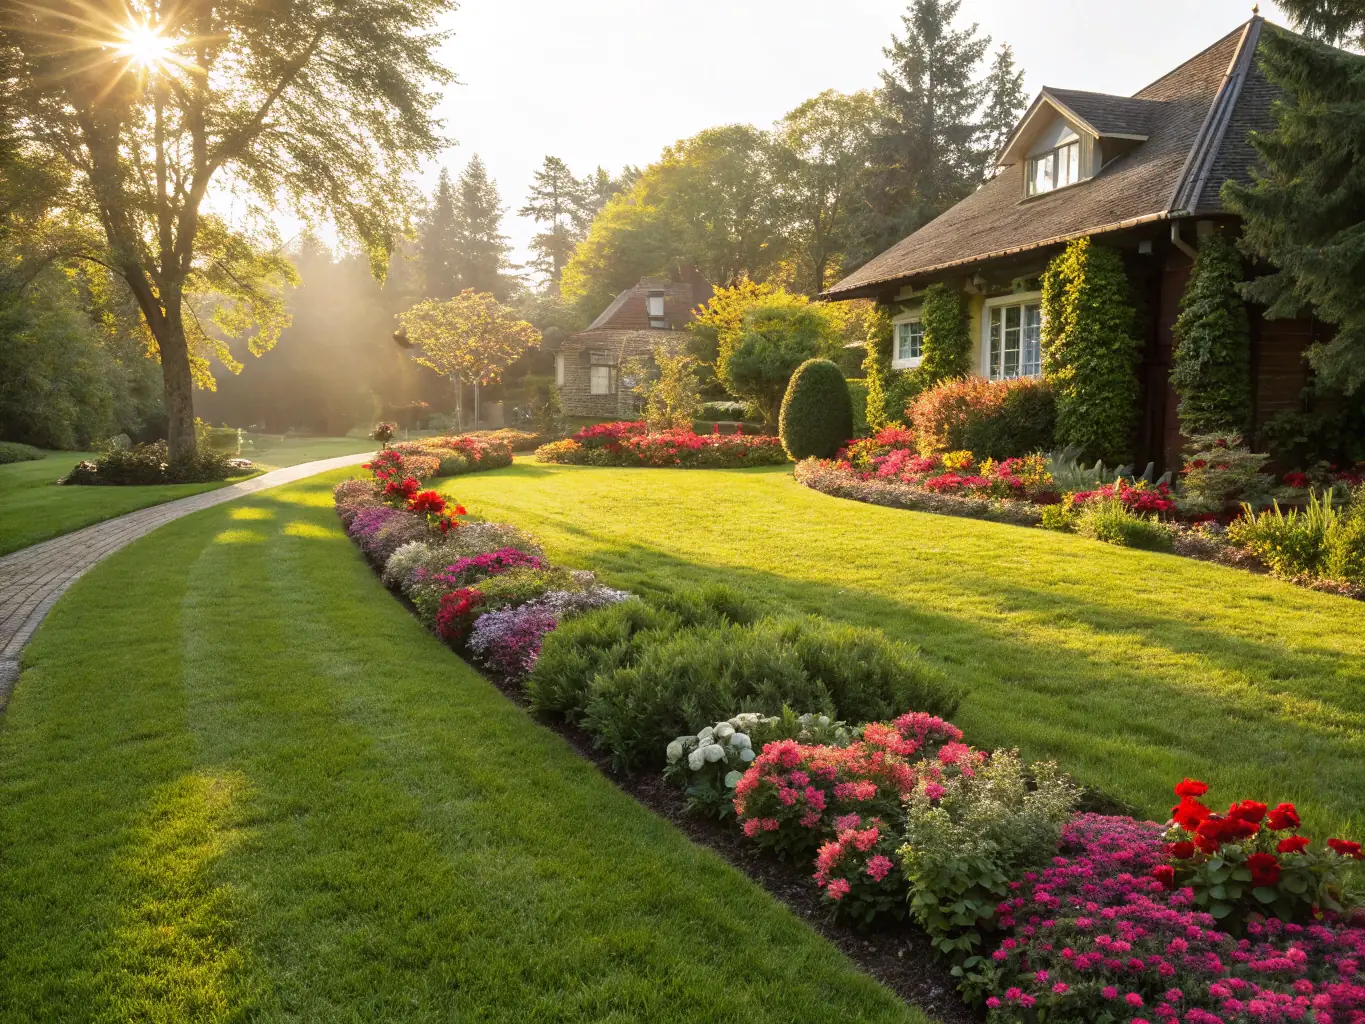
x: 987, y: 828
x: 1321, y: 540
x: 857, y: 394
x: 12, y: 451
x: 1110, y: 520
x: 1060, y: 517
x: 1220, y: 470
x: 947, y: 339
x: 1090, y: 354
x: 150, y: 464
x: 1211, y: 364
x: 992, y: 419
x: 713, y: 604
x: 817, y: 412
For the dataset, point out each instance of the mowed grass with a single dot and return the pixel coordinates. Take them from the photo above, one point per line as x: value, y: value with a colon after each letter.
x: 33, y: 508
x: 1130, y: 669
x: 238, y: 782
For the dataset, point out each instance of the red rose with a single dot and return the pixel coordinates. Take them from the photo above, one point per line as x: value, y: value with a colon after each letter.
x: 1189, y: 813
x: 1182, y: 850
x: 1265, y: 869
x: 1247, y: 810
x: 1284, y: 816
x: 1346, y: 848
x: 1191, y: 787
x: 1165, y: 874
x: 1292, y: 844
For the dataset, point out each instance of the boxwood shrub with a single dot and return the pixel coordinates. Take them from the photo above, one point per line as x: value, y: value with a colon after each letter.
x: 817, y: 413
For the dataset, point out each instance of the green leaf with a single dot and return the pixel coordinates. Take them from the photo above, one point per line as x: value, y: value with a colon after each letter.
x: 1264, y: 894
x: 1221, y: 910
x: 1218, y: 892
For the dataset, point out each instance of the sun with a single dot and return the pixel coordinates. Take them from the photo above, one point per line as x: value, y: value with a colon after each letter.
x: 145, y: 46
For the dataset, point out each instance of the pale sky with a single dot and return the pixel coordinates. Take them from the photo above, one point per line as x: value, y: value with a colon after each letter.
x: 612, y: 82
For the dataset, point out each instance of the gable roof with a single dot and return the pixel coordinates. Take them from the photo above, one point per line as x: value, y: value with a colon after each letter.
x: 629, y: 311
x: 1195, y: 120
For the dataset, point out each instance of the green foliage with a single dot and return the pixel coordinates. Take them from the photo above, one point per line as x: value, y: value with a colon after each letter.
x: 888, y: 391
x: 1090, y: 355
x: 857, y: 394
x: 992, y: 419
x: 947, y: 341
x: 1322, y: 540
x: 817, y: 412
x: 1110, y: 520
x: 987, y: 829
x: 1060, y: 517
x: 672, y: 395
x: 1211, y: 365
x: 1304, y: 211
x: 146, y: 464
x: 776, y: 336
x: 12, y: 451
x: 1220, y: 470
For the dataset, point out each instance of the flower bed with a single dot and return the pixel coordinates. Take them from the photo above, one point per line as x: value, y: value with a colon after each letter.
x: 630, y: 444
x: 455, y: 455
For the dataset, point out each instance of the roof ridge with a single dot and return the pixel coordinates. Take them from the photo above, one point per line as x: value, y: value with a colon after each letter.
x: 1239, y: 30
x: 1189, y: 184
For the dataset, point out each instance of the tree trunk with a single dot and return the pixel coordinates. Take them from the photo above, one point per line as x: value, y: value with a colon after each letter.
x: 178, y: 385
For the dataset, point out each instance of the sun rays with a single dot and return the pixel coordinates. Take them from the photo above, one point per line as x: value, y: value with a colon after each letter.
x: 146, y: 47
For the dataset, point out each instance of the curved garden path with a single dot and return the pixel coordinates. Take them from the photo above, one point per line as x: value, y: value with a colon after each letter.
x: 32, y: 579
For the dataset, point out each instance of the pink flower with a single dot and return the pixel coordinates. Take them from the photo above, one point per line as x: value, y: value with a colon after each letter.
x: 838, y: 888
x: 1133, y: 999
x: 879, y: 867
x: 1109, y: 992
x: 1061, y: 988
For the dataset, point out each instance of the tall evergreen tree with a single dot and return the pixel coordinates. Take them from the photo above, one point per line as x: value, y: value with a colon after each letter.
x: 929, y: 150
x: 1005, y: 103
x: 555, y: 201
x: 1340, y: 22
x: 439, y: 244
x: 481, y: 253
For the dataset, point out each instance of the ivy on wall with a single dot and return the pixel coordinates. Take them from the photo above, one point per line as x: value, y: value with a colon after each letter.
x: 947, y: 353
x: 1090, y: 354
x: 1211, y: 366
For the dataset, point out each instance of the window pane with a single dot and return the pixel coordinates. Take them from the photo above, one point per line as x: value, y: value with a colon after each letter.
x: 902, y: 341
x: 1033, y: 341
x: 993, y: 364
x: 916, y: 340
x: 1073, y: 163
x: 601, y: 380
x: 1011, y: 350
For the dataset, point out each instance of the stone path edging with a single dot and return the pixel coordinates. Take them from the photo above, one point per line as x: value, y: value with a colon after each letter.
x: 33, y: 578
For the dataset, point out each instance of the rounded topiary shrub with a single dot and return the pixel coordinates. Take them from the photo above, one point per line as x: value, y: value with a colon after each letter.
x: 817, y: 412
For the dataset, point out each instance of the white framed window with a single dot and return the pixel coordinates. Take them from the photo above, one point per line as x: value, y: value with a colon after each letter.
x: 559, y: 369
x: 1055, y: 168
x: 907, y: 343
x: 655, y: 306
x: 1012, y: 345
x: 601, y: 374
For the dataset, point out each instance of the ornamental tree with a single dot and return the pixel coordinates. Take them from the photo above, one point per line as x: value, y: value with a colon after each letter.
x: 1090, y: 356
x: 325, y: 106
x: 777, y: 336
x: 1211, y: 370
x: 472, y: 337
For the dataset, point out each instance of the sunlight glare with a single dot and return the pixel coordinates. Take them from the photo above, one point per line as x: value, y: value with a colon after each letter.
x: 146, y: 46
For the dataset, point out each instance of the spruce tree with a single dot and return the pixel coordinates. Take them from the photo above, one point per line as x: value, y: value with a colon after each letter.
x: 481, y: 254
x: 1305, y: 211
x: 1005, y: 103
x: 1339, y: 22
x: 598, y: 189
x: 556, y: 197
x: 1211, y: 370
x: 439, y: 244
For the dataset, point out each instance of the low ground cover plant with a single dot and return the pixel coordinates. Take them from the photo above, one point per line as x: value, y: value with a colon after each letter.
x: 631, y: 444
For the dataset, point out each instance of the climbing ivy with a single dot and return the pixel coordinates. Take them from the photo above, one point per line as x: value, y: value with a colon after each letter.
x: 1090, y: 355
x: 947, y: 353
x: 1211, y: 366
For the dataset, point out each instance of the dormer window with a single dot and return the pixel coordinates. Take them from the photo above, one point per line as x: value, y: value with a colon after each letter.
x: 655, y: 305
x: 1054, y: 168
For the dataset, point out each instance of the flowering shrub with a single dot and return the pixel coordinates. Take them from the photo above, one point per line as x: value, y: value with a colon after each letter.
x: 565, y: 603
x: 1249, y: 861
x: 968, y: 832
x: 1219, y: 472
x: 457, y: 613
x: 1134, y: 495
x: 507, y: 641
x: 858, y: 872
x: 993, y: 418
x: 626, y: 444
x: 708, y: 765
x: 1097, y: 938
x: 860, y: 454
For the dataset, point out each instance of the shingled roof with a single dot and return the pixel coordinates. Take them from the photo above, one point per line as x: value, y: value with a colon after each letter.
x: 1195, y: 122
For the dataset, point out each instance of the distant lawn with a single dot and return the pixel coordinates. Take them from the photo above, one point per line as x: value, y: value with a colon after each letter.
x: 238, y: 781
x: 34, y: 509
x: 1131, y: 669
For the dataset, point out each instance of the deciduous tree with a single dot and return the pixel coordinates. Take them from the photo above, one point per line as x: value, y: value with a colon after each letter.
x: 472, y: 337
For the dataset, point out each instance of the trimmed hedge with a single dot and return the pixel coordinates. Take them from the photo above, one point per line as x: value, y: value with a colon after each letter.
x: 817, y: 412
x: 992, y: 419
x: 13, y: 451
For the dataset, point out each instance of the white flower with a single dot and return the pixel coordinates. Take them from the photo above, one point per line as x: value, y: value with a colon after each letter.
x: 724, y: 731
x: 731, y: 778
x: 695, y: 759
x: 675, y: 752
x: 705, y: 735
x: 740, y: 741
x: 747, y: 754
x: 824, y: 719
x: 713, y: 752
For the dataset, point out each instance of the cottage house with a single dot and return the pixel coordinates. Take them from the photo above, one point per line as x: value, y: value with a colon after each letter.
x: 1141, y: 174
x: 589, y: 365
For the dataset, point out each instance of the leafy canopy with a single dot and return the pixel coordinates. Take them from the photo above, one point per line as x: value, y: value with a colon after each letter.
x: 472, y: 336
x: 777, y: 334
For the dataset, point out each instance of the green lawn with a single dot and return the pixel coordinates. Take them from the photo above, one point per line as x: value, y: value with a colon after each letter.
x: 239, y: 782
x: 1131, y: 669
x: 34, y: 509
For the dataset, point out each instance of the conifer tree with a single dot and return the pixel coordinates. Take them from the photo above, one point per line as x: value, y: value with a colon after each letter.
x: 439, y: 244
x: 598, y: 190
x: 1211, y: 370
x: 1005, y: 103
x: 481, y: 255
x: 556, y: 199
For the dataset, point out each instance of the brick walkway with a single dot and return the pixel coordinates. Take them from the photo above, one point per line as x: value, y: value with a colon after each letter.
x: 33, y: 578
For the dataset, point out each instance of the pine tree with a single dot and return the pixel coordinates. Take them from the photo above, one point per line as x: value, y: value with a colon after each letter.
x: 1339, y: 22
x: 598, y: 189
x: 1211, y: 369
x: 556, y: 198
x: 1005, y: 103
x: 481, y: 255
x: 439, y: 244
x: 1305, y: 211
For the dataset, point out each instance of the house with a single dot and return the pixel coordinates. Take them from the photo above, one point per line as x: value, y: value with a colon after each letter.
x: 1139, y: 173
x: 590, y: 366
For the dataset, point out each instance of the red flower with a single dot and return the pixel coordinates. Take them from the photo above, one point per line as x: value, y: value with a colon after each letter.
x: 1346, y: 848
x: 1182, y: 850
x: 1189, y: 813
x: 405, y: 488
x: 1292, y: 844
x: 1265, y: 869
x: 1247, y: 810
x: 1191, y: 787
x: 1296, y: 480
x: 1165, y: 874
x: 1284, y: 816
x: 427, y: 502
